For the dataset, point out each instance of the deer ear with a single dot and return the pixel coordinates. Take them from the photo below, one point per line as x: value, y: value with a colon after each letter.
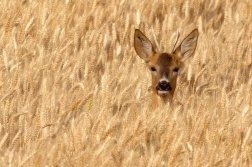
x: 143, y: 46
x: 187, y: 47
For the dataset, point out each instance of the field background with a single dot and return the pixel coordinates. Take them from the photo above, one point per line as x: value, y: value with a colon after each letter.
x: 73, y: 92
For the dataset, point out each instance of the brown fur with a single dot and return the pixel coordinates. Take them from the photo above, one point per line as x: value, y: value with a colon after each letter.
x: 164, y: 63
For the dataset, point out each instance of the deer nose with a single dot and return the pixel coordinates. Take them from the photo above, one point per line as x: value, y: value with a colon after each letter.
x: 164, y: 85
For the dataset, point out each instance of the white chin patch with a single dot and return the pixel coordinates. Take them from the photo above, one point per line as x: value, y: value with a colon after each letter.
x: 163, y: 92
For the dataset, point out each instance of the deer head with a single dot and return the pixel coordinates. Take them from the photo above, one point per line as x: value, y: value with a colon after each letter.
x: 164, y: 67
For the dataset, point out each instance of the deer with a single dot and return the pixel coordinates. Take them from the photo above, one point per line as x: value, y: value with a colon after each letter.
x: 164, y: 66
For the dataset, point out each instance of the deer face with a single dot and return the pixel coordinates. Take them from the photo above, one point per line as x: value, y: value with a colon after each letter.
x: 164, y: 67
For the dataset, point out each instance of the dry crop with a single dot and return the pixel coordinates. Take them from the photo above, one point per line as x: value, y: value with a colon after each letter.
x: 73, y: 92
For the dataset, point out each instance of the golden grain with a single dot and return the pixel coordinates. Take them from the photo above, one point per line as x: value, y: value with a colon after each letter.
x: 74, y: 93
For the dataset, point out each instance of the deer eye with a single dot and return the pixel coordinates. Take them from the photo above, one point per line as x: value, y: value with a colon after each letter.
x: 153, y: 69
x: 175, y: 69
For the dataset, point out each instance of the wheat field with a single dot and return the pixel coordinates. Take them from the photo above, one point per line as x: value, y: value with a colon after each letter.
x: 75, y: 93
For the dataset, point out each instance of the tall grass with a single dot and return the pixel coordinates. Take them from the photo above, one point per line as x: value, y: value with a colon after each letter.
x: 73, y: 92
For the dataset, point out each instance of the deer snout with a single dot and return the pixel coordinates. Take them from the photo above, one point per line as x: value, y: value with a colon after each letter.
x: 164, y: 86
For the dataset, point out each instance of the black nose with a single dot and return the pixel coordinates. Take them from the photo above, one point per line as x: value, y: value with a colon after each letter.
x: 165, y: 85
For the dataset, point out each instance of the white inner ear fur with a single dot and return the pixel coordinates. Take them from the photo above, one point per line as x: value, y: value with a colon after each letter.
x: 146, y: 48
x: 188, y: 45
